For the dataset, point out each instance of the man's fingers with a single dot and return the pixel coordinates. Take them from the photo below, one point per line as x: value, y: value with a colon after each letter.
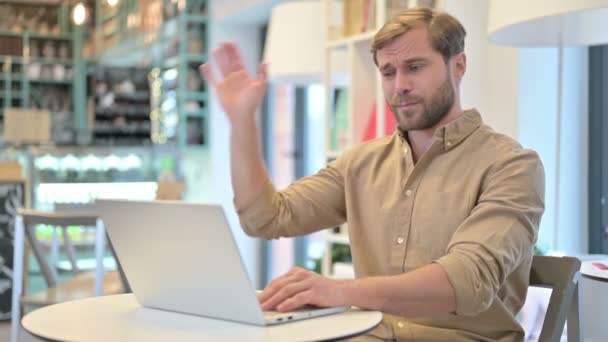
x: 205, y: 70
x: 262, y: 74
x: 295, y: 302
x: 235, y: 61
x: 228, y: 59
x: 274, y: 287
x: 285, y: 293
x: 220, y: 58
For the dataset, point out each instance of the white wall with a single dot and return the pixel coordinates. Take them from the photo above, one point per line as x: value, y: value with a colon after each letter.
x: 491, y: 80
x: 247, y: 38
x: 538, y: 130
x: 516, y: 92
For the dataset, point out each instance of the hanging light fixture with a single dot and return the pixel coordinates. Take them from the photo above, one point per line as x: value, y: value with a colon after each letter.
x: 79, y: 14
x: 112, y: 3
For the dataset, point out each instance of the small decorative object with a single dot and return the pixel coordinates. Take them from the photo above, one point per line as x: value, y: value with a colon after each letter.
x: 33, y: 70
x: 63, y: 51
x: 34, y: 49
x: 46, y: 71
x: 48, y: 49
x: 59, y: 72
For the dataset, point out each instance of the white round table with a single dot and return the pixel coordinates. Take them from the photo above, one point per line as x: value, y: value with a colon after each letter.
x: 594, y: 301
x: 122, y: 318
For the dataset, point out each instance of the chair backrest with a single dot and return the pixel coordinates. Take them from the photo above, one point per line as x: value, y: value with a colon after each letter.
x: 561, y: 274
x: 31, y: 218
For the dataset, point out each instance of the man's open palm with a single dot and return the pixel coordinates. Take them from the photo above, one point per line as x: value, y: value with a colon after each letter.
x: 239, y: 94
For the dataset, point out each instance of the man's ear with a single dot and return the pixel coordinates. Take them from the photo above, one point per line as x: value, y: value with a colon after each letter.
x: 459, y: 66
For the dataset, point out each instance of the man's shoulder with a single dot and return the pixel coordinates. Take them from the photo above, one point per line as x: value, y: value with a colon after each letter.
x: 501, y: 147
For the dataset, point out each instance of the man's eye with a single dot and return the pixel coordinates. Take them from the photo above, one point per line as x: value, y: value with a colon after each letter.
x: 415, y: 67
x: 388, y: 73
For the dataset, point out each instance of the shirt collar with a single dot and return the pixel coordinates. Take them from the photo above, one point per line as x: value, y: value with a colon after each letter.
x: 456, y: 131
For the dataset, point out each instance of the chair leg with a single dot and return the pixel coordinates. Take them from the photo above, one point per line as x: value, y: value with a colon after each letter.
x: 69, y: 249
x: 49, y: 272
x: 54, y: 251
x: 100, y: 247
x: 575, y: 333
x: 18, y: 255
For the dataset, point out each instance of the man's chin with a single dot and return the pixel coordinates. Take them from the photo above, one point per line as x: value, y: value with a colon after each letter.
x: 407, y: 120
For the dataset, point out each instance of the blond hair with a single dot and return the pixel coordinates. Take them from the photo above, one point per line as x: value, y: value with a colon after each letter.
x: 447, y: 33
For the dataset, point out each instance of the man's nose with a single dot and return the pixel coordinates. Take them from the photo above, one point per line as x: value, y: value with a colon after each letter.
x: 403, y: 83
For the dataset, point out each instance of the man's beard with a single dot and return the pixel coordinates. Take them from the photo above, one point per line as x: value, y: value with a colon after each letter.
x: 432, y: 112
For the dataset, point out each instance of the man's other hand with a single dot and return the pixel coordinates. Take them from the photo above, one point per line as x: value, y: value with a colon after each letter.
x: 299, y: 287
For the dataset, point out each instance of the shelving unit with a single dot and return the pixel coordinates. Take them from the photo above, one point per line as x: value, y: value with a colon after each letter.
x: 40, y: 64
x: 121, y: 106
x: 170, y: 36
x: 184, y: 92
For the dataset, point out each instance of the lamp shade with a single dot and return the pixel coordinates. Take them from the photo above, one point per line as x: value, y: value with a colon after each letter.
x: 548, y: 22
x: 294, y: 42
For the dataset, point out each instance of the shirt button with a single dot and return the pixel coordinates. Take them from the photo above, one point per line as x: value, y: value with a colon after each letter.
x: 400, y: 324
x: 448, y: 143
x: 400, y: 240
x: 405, y: 150
x: 408, y: 193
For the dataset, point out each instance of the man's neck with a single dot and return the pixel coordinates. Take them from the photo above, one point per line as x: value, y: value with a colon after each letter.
x: 421, y: 140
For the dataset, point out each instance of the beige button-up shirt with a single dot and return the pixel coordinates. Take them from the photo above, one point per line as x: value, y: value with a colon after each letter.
x: 472, y: 204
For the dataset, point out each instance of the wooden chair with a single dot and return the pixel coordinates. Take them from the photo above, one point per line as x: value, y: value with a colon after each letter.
x: 561, y: 274
x: 81, y: 285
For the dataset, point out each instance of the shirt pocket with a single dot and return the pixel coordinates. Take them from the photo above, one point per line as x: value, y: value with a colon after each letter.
x: 435, y: 218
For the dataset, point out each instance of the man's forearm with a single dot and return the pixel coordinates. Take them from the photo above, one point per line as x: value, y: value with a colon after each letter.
x: 247, y: 165
x: 421, y: 293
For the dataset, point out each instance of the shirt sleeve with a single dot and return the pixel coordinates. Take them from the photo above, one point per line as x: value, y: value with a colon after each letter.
x: 307, y: 205
x: 499, y: 233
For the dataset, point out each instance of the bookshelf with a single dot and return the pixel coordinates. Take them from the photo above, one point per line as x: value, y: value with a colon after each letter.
x: 41, y: 64
x: 120, y: 106
x: 170, y: 38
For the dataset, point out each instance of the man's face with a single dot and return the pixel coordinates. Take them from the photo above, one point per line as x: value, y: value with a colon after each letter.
x: 416, y: 81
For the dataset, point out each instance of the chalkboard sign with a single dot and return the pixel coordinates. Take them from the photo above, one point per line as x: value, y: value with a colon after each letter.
x: 12, y: 197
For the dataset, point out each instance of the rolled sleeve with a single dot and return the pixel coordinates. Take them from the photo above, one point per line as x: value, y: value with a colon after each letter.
x: 472, y: 294
x: 307, y: 205
x: 499, y: 235
x: 258, y: 213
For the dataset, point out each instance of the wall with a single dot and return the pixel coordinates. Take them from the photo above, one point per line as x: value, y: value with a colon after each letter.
x: 247, y: 37
x: 538, y: 126
x: 516, y: 93
x: 491, y: 80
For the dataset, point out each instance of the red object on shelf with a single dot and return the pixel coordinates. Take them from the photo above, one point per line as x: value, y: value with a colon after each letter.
x: 389, y: 123
x: 601, y: 266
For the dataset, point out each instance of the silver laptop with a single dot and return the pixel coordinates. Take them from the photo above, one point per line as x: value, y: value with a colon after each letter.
x: 182, y: 257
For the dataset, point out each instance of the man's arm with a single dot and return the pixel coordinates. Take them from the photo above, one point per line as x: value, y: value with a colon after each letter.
x: 308, y: 205
x: 240, y: 96
x: 420, y: 293
x: 485, y: 249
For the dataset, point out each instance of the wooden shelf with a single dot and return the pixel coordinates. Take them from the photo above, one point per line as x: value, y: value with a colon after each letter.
x: 198, y: 96
x: 201, y: 113
x: 14, y: 77
x: 344, y: 42
x: 35, y: 35
x: 200, y: 19
x: 50, y: 81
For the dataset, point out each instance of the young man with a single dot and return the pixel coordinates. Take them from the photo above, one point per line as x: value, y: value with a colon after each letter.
x: 443, y: 214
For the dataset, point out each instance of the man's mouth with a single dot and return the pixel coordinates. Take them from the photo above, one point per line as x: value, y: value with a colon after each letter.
x: 406, y: 105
